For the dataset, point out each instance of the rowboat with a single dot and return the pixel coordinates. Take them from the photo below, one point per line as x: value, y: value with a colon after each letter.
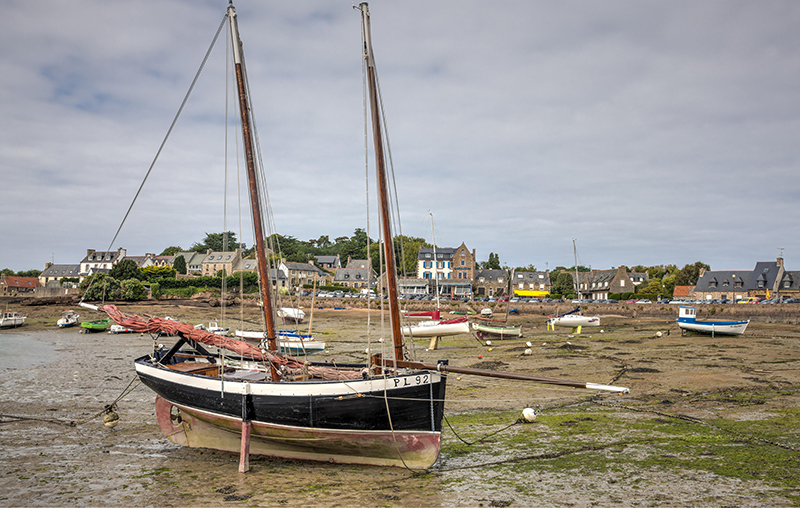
x: 98, y: 325
x: 503, y: 332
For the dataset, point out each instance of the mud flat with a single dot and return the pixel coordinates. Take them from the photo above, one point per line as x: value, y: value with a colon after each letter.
x: 708, y: 422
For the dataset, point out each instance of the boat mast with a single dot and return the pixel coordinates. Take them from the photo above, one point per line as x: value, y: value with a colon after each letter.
x: 435, y: 264
x: 255, y: 203
x: 577, y: 284
x: 383, y: 186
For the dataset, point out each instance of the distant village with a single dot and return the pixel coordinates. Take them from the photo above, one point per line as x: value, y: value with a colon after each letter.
x: 453, y: 272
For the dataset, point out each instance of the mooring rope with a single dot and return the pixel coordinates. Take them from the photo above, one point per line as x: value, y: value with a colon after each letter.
x: 127, y: 390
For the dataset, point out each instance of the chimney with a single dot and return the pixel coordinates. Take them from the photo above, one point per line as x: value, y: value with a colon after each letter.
x: 702, y: 271
x: 780, y: 262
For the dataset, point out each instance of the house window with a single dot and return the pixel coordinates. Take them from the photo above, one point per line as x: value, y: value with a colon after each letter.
x: 761, y: 284
x: 427, y: 256
x: 463, y: 262
x: 786, y: 284
x: 622, y: 283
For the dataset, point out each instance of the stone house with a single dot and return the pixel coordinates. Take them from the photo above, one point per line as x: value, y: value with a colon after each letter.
x: 763, y: 282
x: 11, y: 285
x: 299, y: 274
x: 490, y: 283
x: 213, y: 262
x: 531, y: 283
x: 789, y: 286
x: 52, y: 274
x: 722, y: 284
x: 358, y: 274
x: 463, y: 264
x: 329, y: 263
x: 194, y: 261
x: 100, y: 261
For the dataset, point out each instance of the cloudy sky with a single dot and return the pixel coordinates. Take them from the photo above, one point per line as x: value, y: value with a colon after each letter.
x: 650, y: 132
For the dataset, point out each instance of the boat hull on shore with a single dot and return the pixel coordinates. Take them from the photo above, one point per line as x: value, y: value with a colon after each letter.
x: 502, y: 332
x: 437, y: 328
x: 378, y: 421
x: 687, y: 320
x: 12, y: 320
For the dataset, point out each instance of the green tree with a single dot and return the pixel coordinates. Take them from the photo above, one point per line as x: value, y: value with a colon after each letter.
x: 100, y: 287
x: 158, y: 272
x: 406, y: 250
x: 354, y: 247
x: 7, y: 271
x: 126, y: 269
x: 688, y: 275
x: 179, y: 265
x: 217, y: 242
x: 493, y: 263
x: 132, y: 289
x: 669, y: 286
x: 29, y: 273
x: 564, y: 284
x: 171, y: 251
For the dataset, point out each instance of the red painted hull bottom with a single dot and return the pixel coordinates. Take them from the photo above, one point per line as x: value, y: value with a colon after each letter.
x: 200, y: 429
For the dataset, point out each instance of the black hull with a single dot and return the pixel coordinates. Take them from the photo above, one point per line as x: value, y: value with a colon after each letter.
x: 415, y: 401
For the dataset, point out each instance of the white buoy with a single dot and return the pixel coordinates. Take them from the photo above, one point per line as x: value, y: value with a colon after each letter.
x: 529, y: 414
x: 528, y: 344
x: 528, y: 352
x: 488, y: 343
x: 658, y: 334
x: 602, y: 331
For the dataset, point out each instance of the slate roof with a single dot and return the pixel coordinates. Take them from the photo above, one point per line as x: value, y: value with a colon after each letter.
x: 442, y: 253
x: 531, y: 278
x: 764, y: 275
x: 715, y: 281
x: 490, y: 275
x: 333, y: 261
x: 352, y: 274
x: 790, y: 281
x: 60, y: 271
x: 357, y: 264
x: 304, y: 267
x: 102, y: 256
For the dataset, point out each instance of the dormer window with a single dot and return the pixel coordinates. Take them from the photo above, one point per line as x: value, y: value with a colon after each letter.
x: 427, y: 256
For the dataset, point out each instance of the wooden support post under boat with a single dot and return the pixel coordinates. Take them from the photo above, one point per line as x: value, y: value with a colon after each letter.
x: 434, y: 343
x: 576, y: 330
x: 244, y: 453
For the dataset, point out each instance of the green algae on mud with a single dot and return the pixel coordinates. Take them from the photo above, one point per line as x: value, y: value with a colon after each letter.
x: 591, y: 440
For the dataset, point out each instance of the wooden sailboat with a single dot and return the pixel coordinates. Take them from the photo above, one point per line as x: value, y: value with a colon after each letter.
x: 261, y: 401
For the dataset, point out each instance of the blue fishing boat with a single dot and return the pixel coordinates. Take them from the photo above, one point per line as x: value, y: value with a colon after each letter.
x: 687, y: 320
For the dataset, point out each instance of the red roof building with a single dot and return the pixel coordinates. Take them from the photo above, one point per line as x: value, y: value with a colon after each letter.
x: 11, y: 284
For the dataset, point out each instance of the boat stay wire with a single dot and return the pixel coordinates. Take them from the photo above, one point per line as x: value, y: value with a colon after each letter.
x: 166, y: 137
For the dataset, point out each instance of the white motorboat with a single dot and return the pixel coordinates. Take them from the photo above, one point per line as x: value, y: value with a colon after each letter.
x: 687, y: 320
x: 12, y: 320
x: 68, y: 318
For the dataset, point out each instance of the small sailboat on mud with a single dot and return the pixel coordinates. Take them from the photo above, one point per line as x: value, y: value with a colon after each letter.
x: 385, y: 412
